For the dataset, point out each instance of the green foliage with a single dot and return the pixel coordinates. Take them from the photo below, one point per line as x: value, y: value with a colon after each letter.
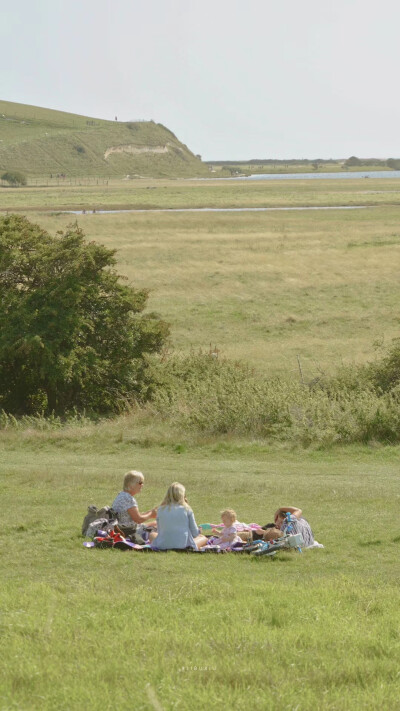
x: 385, y: 374
x: 352, y: 161
x: 204, y: 395
x: 71, y: 335
x: 393, y: 163
x: 14, y: 177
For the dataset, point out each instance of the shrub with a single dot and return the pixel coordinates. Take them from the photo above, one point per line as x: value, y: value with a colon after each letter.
x: 205, y: 395
x: 14, y: 177
x: 385, y: 374
x: 71, y: 335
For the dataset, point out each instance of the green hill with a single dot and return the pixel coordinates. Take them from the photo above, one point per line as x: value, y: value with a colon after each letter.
x: 38, y: 142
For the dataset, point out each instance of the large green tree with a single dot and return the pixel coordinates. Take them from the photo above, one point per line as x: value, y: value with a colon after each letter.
x: 71, y: 334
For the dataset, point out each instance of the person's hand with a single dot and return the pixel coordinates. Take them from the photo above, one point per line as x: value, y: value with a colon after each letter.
x: 276, y: 515
x: 154, y: 512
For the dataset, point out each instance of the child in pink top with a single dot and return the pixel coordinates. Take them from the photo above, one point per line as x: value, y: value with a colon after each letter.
x: 227, y: 535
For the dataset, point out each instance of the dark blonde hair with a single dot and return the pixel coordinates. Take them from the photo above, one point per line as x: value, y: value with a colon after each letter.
x: 176, y: 496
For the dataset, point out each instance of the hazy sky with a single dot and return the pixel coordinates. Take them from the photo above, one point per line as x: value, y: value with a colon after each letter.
x: 233, y: 79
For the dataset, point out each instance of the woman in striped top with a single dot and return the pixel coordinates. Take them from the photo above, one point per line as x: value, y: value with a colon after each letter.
x: 299, y: 524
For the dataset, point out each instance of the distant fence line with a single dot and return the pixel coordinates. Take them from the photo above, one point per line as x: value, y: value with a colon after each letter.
x: 42, y: 182
x: 68, y: 180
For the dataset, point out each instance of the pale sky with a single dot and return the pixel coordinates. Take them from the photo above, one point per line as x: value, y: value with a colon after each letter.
x: 233, y: 79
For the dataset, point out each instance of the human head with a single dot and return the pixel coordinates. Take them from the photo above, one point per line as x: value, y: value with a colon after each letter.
x: 271, y: 534
x: 175, y: 496
x: 228, y: 516
x: 131, y: 479
x: 280, y: 519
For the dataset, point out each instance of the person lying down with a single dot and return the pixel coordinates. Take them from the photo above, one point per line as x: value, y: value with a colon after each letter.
x: 273, y: 531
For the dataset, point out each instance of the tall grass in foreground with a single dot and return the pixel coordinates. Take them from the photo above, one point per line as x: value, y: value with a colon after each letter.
x: 204, y: 395
x: 199, y: 396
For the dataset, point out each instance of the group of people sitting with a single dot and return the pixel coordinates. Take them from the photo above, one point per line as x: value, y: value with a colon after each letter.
x: 175, y: 526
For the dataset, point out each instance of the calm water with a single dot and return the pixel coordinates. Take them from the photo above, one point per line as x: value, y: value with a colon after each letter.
x: 219, y: 209
x: 319, y: 176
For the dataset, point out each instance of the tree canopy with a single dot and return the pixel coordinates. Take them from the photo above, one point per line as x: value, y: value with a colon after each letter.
x: 71, y: 334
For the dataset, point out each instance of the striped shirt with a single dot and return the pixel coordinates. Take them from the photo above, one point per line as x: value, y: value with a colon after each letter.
x: 300, y: 525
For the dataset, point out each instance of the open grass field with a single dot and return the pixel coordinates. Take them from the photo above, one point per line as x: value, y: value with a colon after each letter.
x: 168, y: 194
x: 264, y: 287
x: 102, y: 629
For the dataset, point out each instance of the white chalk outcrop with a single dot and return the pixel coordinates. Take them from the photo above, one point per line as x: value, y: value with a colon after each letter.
x: 136, y: 150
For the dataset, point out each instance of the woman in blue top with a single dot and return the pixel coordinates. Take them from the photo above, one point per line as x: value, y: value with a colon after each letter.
x: 176, y: 525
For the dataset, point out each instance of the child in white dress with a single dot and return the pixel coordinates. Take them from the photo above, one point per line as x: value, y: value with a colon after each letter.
x: 227, y: 535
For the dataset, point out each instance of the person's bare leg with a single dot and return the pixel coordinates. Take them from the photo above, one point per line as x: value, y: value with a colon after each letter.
x: 200, y: 541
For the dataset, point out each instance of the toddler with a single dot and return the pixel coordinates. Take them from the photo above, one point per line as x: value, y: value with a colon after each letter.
x: 228, y: 536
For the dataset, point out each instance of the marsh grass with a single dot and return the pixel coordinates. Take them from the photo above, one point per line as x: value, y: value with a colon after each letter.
x: 83, y: 192
x: 265, y: 288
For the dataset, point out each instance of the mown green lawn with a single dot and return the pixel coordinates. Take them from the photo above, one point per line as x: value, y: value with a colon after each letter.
x: 101, y: 629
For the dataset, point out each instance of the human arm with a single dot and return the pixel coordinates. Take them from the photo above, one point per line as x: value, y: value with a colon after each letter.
x: 216, y: 530
x: 138, y: 517
x: 287, y: 509
x: 194, y: 529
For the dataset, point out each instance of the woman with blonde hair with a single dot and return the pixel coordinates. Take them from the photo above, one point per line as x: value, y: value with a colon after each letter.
x: 176, y: 525
x: 125, y: 504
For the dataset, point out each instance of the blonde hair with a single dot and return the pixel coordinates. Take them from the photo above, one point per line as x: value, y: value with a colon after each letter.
x: 176, y: 496
x: 131, y: 478
x: 229, y: 512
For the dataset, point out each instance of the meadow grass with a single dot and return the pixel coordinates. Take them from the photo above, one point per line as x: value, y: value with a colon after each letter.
x: 102, y: 628
x: 83, y: 193
x: 263, y: 287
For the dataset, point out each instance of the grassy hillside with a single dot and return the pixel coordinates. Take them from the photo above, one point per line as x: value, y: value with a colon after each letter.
x: 40, y: 142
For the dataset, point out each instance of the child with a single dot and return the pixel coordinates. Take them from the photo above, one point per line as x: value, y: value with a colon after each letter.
x: 272, y: 534
x: 299, y: 525
x: 229, y: 535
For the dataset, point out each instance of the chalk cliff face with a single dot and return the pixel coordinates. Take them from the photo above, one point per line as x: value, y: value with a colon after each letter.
x: 38, y: 141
